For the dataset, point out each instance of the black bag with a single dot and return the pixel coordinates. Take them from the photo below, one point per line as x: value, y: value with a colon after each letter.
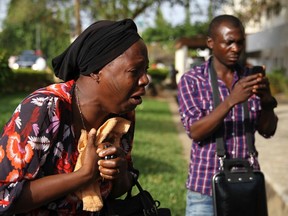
x: 141, y: 204
x: 238, y: 190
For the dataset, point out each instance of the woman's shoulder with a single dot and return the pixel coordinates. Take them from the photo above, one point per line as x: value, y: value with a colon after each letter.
x: 60, y: 91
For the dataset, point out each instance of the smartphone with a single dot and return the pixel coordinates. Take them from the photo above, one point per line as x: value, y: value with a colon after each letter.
x: 108, y: 157
x: 255, y: 70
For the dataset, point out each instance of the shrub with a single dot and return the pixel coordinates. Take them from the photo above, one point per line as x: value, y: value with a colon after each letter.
x: 278, y: 81
x: 26, y: 80
x: 5, y: 71
x: 158, y: 74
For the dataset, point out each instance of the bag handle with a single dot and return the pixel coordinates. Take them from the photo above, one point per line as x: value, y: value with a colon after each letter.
x: 237, y: 162
x: 150, y: 205
x: 135, y: 182
x: 220, y: 146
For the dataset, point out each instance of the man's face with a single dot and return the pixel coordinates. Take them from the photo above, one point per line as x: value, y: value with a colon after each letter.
x: 227, y: 44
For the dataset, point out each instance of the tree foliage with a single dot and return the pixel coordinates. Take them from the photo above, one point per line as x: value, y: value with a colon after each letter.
x: 5, y: 71
x: 161, y: 32
x: 49, y: 24
x: 120, y: 9
x: 251, y: 10
x: 164, y: 32
x: 33, y: 25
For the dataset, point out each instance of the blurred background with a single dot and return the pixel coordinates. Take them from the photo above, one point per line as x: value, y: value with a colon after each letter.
x: 33, y: 32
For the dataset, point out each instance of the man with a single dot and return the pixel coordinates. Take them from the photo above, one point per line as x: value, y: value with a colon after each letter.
x: 226, y: 39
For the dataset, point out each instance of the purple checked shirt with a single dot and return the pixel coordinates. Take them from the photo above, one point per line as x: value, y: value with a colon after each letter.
x: 195, y: 102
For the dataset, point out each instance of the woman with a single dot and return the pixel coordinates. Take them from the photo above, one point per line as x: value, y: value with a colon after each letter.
x: 105, y: 74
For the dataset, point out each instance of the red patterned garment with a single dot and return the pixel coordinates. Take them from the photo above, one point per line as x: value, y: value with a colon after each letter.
x: 39, y: 141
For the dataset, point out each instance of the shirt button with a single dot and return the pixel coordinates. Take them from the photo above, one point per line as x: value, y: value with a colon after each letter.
x: 253, y: 108
x: 232, y: 117
x: 233, y: 133
x: 233, y: 152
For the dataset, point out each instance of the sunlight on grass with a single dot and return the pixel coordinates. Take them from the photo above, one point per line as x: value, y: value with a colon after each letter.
x: 158, y: 155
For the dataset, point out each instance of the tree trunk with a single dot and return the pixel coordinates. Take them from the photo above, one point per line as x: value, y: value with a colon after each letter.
x: 78, y: 29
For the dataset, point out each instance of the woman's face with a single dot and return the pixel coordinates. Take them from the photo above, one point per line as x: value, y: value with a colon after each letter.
x: 123, y: 80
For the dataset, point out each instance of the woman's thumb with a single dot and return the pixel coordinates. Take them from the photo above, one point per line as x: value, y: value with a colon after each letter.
x: 92, y: 136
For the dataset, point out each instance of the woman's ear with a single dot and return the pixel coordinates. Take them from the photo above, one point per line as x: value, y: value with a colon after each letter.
x: 95, y: 76
x: 210, y: 42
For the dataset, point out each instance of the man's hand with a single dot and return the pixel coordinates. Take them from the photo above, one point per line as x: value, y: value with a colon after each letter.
x: 244, y: 88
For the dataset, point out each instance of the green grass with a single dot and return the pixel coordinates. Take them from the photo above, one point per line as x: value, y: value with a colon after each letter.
x: 158, y: 154
x: 157, y: 150
x: 8, y: 103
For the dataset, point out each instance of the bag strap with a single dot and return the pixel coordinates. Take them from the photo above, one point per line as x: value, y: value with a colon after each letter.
x: 135, y: 182
x: 248, y: 132
x: 220, y: 146
x: 138, y: 186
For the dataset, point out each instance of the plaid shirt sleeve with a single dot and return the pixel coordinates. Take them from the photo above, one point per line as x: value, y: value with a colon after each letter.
x: 193, y: 96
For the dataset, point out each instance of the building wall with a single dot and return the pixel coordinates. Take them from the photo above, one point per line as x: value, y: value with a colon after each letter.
x: 267, y: 42
x: 269, y: 47
x: 271, y: 41
x: 181, y: 56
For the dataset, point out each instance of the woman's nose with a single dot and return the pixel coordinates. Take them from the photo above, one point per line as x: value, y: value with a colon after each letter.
x: 144, y: 80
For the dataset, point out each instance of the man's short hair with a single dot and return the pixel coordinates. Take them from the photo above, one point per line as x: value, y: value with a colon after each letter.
x: 218, y: 20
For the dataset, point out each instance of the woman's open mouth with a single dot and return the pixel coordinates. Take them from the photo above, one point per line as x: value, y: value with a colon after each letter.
x: 136, y: 100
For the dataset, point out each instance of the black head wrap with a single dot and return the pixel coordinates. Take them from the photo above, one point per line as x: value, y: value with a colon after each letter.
x: 95, y: 47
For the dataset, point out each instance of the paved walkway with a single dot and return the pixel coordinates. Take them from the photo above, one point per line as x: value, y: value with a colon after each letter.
x: 273, y: 156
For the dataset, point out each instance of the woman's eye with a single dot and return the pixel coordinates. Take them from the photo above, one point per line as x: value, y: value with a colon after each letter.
x: 134, y: 73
